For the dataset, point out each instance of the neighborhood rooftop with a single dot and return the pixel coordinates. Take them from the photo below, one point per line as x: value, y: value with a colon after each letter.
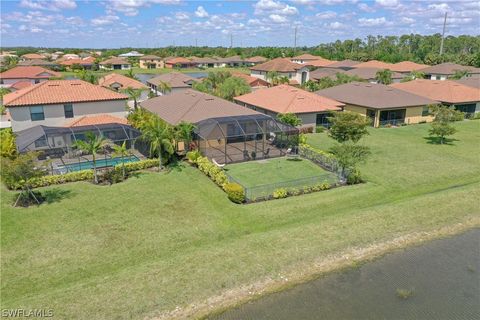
x: 440, y: 90
x: 60, y: 91
x: 279, y: 65
x: 377, y: 96
x: 407, y: 66
x: 370, y: 73
x: 193, y: 106
x: 174, y: 79
x: 448, y: 68
x: 123, y: 81
x: 374, y: 64
x: 286, y: 99
x: 30, y: 72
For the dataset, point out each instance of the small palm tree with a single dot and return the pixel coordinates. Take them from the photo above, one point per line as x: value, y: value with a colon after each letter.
x: 134, y: 95
x: 130, y: 74
x: 164, y: 87
x: 283, y: 80
x: 459, y: 74
x: 273, y: 76
x: 183, y: 132
x: 159, y: 135
x: 92, y: 145
x: 121, y: 151
x: 384, y: 76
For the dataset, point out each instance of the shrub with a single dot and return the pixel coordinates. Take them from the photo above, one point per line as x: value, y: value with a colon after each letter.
x: 213, y: 171
x: 193, y: 156
x: 319, y: 129
x: 234, y: 192
x: 139, y: 165
x: 354, y: 177
x: 280, y: 193
x: 476, y: 116
x: 294, y: 192
x: 44, y: 181
x: 111, y: 176
x: 220, y: 178
x: 325, y: 186
x: 8, y: 148
x: 307, y: 189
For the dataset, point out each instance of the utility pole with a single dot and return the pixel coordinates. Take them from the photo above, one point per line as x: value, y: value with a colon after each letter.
x: 196, y: 43
x: 231, y: 40
x: 295, y: 41
x: 443, y: 33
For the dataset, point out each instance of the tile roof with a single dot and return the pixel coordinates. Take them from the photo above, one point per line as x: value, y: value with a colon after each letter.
x: 306, y: 56
x: 440, y: 90
x: 374, y: 64
x: 96, y: 119
x: 448, y: 68
x: 370, y: 73
x: 473, y: 82
x: 36, y: 62
x: 252, y: 81
x: 193, y: 106
x: 205, y: 60
x: 232, y: 59
x: 325, y: 72
x: 21, y: 84
x: 174, y: 79
x: 376, y: 96
x: 33, y: 56
x: 344, y: 64
x: 115, y: 60
x: 84, y: 61
x: 150, y: 57
x: 285, y: 98
x: 60, y: 91
x: 180, y: 60
x: 407, y: 66
x: 279, y: 65
x: 124, y: 81
x: 256, y: 59
x: 30, y: 72
x: 320, y: 63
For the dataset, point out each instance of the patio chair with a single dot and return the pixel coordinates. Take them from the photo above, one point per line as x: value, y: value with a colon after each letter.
x: 246, y: 156
x: 218, y: 164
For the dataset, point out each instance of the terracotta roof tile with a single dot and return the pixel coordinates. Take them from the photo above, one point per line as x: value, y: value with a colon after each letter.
x: 256, y: 59
x: 344, y: 64
x: 279, y: 65
x: 252, y: 81
x: 473, y: 82
x: 448, y: 68
x: 407, y: 66
x: 370, y: 73
x: 374, y: 64
x: 285, y: 98
x: 33, y: 56
x: 178, y: 60
x: 150, y: 57
x: 440, y: 90
x: 97, y: 119
x: 21, y: 84
x: 320, y: 63
x: 30, y: 72
x: 85, y: 61
x: 124, y: 81
x: 60, y: 91
x: 115, y: 60
x: 174, y: 79
x: 307, y: 56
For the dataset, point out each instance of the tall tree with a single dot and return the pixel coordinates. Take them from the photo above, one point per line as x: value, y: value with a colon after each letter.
x: 92, y: 145
x: 184, y: 132
x: 232, y: 87
x: 122, y: 152
x: 134, y: 94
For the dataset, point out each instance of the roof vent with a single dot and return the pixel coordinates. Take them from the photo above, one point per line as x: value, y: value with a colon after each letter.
x: 75, y: 84
x: 53, y: 85
x: 208, y: 99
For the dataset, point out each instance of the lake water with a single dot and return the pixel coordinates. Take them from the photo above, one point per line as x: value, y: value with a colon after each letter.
x: 143, y: 77
x: 440, y: 280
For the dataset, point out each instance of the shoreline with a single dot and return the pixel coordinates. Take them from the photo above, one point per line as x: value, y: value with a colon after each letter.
x: 303, y: 273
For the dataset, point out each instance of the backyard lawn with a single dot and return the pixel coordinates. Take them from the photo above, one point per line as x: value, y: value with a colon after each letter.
x: 160, y: 241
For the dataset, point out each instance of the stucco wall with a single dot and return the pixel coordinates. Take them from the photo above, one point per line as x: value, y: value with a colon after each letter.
x: 55, y: 115
x: 414, y: 115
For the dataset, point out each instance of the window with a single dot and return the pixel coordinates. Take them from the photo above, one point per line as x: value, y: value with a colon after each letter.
x: 42, y: 142
x: 425, y: 111
x: 68, y: 109
x: 37, y: 81
x: 36, y: 113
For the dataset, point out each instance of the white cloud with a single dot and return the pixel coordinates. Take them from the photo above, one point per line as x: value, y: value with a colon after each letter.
x: 304, y: 2
x: 104, y: 20
x: 277, y: 18
x: 387, y: 3
x: 274, y: 7
x: 372, y: 22
x: 326, y: 15
x: 182, y: 16
x: 201, y: 12
x: 336, y: 26
x: 53, y: 5
x: 406, y: 20
x: 36, y: 30
x: 131, y: 7
x: 364, y: 7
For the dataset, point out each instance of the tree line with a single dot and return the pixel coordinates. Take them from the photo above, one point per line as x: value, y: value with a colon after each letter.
x: 463, y: 49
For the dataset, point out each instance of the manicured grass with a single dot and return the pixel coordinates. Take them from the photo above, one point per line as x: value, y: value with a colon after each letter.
x: 101, y: 73
x: 161, y: 241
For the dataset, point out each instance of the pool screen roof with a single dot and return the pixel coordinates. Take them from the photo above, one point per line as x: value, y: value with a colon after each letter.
x: 237, y: 126
x: 121, y: 132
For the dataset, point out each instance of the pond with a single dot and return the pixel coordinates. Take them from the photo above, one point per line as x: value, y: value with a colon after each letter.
x: 438, y: 280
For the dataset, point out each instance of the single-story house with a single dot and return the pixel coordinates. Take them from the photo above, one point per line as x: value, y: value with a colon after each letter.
x: 30, y: 56
x: 235, y: 61
x: 384, y: 105
x: 33, y: 74
x: 374, y: 64
x: 150, y: 62
x: 304, y: 58
x: 297, y: 73
x: 311, y: 108
x: 255, y: 60
x: 59, y: 102
x: 464, y: 98
x: 118, y: 82
x: 344, y: 64
x: 407, y: 67
x: 225, y: 131
x: 115, y: 64
x: 207, y: 62
x: 445, y: 70
x: 86, y: 63
x: 37, y: 62
x: 253, y: 82
x: 473, y: 82
x: 179, y: 62
x: 176, y: 80
x: 370, y: 74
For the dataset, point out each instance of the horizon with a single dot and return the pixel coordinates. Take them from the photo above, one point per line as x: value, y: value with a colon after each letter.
x: 245, y: 24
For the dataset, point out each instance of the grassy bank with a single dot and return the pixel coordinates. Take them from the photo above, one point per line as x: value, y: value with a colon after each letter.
x: 162, y: 241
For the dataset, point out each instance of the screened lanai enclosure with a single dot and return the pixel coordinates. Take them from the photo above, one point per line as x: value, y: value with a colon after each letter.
x: 56, y: 144
x: 244, y: 138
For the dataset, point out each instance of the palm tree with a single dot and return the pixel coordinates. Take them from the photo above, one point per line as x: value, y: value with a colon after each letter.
x: 134, y: 95
x: 283, y: 80
x: 121, y: 151
x: 273, y: 76
x: 159, y: 134
x: 164, y: 87
x: 183, y: 132
x: 384, y: 76
x: 459, y: 74
x: 130, y: 74
x: 92, y: 145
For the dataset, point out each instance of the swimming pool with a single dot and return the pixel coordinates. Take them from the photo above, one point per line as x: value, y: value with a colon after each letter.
x: 100, y: 163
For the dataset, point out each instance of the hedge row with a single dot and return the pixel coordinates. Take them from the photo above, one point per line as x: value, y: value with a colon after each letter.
x: 234, y: 191
x: 83, y: 175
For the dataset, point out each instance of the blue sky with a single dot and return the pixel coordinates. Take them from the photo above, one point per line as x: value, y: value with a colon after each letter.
x: 158, y: 23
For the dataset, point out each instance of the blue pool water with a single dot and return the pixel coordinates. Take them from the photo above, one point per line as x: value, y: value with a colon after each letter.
x: 110, y: 162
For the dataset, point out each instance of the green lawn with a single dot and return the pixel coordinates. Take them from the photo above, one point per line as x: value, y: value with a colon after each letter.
x: 262, y: 177
x: 162, y: 241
